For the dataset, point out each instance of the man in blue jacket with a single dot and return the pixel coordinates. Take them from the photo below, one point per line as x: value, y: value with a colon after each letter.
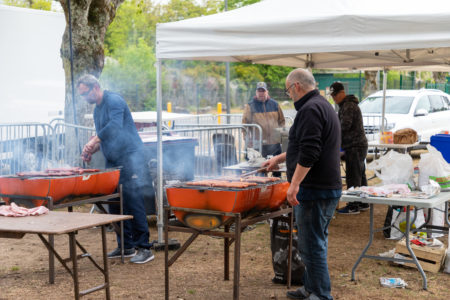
x: 121, y: 145
x: 313, y: 169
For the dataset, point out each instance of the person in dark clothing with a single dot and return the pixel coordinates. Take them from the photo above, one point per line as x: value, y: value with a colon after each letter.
x: 354, y: 143
x: 313, y: 170
x: 121, y: 145
x: 265, y: 112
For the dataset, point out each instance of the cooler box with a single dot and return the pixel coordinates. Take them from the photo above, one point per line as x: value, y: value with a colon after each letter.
x: 442, y: 143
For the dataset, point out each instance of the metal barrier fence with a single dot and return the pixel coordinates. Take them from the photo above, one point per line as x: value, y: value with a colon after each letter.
x: 24, y: 147
x: 195, y: 119
x: 28, y: 147
x: 218, y: 146
x: 68, y: 142
x: 372, y: 126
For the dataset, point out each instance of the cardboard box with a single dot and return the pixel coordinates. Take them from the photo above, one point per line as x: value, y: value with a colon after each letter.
x: 430, y: 259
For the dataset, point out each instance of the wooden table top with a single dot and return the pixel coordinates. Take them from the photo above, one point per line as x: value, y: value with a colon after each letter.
x: 57, y: 222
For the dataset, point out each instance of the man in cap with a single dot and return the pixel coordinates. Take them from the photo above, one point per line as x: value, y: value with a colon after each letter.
x: 121, y: 145
x: 353, y: 142
x: 265, y: 112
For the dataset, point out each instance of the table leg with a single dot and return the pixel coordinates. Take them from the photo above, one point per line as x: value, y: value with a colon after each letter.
x: 411, y: 253
x: 368, y: 244
x: 226, y: 255
x: 291, y: 226
x: 446, y: 216
x: 73, y: 256
x: 105, y: 263
x: 51, y: 260
x: 237, y: 251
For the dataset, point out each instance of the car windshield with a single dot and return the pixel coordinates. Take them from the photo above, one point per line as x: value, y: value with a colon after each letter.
x: 394, y: 105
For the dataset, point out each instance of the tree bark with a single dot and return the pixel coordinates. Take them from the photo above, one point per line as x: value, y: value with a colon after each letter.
x: 439, y: 77
x: 370, y: 85
x: 90, y: 20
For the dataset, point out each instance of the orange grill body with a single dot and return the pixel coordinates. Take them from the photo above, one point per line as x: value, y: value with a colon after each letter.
x: 260, y: 197
x: 61, y: 187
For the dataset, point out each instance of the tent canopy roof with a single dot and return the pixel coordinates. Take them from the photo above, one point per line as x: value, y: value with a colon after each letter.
x: 346, y: 34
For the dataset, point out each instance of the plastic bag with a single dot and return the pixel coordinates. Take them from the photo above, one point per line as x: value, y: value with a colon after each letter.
x: 279, y: 244
x: 432, y: 165
x: 393, y: 282
x: 399, y: 221
x: 447, y: 258
x: 431, y: 189
x: 394, y: 167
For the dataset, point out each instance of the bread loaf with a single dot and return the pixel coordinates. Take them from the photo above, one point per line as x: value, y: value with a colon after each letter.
x: 405, y: 136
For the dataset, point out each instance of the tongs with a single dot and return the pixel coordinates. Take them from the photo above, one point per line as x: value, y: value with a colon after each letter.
x: 264, y: 169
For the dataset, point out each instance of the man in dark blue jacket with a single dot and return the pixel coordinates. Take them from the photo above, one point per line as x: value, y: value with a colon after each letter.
x: 313, y: 169
x: 121, y: 145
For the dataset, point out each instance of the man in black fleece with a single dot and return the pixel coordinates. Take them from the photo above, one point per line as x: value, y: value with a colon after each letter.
x: 354, y: 143
x: 313, y: 169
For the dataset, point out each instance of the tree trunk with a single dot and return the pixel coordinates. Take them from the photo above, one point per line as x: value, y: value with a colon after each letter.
x: 370, y: 85
x: 90, y: 20
x: 439, y: 77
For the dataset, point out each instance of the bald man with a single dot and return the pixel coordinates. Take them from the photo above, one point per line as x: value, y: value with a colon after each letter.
x: 313, y: 170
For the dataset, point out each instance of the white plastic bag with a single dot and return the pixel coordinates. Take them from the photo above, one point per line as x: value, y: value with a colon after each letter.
x: 394, y: 167
x: 447, y: 258
x: 399, y: 221
x: 432, y: 165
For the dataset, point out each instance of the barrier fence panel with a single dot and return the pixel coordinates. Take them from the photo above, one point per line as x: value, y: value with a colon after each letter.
x: 68, y: 141
x: 24, y: 147
x: 218, y: 146
x: 234, y: 119
x: 195, y: 119
x: 372, y: 126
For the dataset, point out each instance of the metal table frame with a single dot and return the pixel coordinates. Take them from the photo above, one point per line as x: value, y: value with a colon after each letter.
x: 400, y: 147
x: 229, y: 237
x: 83, y: 221
x: 99, y: 201
x: 443, y: 197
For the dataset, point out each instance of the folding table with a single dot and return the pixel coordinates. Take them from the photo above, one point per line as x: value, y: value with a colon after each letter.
x: 56, y: 222
x: 443, y: 197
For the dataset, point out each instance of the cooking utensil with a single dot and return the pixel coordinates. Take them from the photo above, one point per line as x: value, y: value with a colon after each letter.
x: 254, y: 172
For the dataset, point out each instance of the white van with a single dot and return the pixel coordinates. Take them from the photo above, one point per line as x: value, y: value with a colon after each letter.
x: 426, y: 111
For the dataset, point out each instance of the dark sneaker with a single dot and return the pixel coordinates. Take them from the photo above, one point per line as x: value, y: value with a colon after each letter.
x: 277, y: 280
x: 300, y: 293
x: 142, y: 256
x: 363, y: 206
x: 348, y: 210
x: 117, y: 253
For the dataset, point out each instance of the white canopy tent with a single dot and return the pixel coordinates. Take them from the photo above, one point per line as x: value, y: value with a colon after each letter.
x: 326, y: 34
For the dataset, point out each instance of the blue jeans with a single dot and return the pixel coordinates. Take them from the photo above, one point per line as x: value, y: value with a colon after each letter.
x: 313, y: 218
x: 136, y: 233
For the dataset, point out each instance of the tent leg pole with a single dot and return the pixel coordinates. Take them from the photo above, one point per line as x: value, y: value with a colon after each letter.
x: 159, y: 176
x: 384, y: 100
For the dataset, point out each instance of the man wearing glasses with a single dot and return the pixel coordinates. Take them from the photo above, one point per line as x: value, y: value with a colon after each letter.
x: 265, y: 112
x: 121, y: 145
x: 313, y: 170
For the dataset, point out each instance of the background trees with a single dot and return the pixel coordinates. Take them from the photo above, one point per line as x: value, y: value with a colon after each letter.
x: 116, y: 39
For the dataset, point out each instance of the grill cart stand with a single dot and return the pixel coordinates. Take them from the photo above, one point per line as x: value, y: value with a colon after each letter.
x: 229, y: 238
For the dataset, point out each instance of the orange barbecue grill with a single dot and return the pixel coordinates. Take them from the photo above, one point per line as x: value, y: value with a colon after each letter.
x: 266, y: 196
x: 62, y: 188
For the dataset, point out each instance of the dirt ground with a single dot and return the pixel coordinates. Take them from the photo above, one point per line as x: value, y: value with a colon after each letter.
x: 198, y: 273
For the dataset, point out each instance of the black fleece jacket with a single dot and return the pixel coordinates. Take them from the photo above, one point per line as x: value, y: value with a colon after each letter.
x: 314, y: 141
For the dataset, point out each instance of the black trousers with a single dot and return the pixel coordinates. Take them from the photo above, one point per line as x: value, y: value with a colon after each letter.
x: 355, y: 168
